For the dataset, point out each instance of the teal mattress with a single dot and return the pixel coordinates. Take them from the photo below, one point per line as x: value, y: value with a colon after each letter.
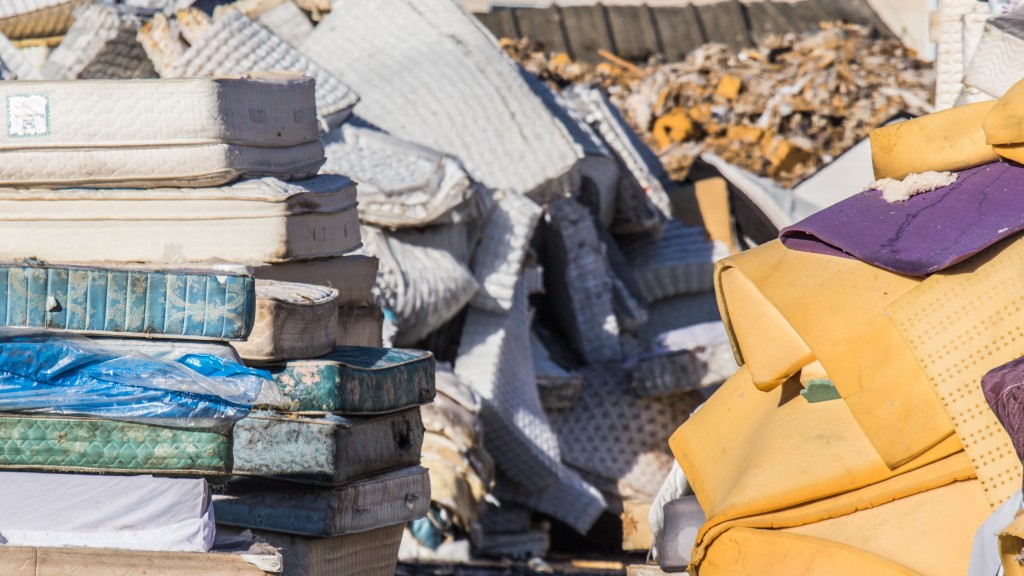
x: 73, y: 444
x: 124, y: 301
x: 357, y: 380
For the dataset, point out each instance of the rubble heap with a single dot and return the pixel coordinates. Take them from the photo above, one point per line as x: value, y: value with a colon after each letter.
x: 781, y: 110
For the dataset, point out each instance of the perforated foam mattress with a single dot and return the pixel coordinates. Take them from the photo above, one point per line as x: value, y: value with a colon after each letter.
x: 262, y: 220
x: 192, y: 132
x: 357, y: 380
x: 328, y: 450
x: 127, y: 301
x: 72, y: 444
x: 387, y: 499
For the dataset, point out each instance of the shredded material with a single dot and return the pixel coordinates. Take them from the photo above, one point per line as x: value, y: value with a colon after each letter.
x: 901, y: 190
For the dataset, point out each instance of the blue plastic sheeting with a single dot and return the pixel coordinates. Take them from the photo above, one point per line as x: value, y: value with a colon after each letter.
x: 76, y: 376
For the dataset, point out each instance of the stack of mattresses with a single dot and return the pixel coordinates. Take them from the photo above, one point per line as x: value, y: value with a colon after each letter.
x: 331, y: 476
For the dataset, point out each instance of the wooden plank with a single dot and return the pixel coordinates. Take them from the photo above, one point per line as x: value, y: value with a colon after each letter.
x: 587, y: 30
x: 679, y: 29
x: 542, y: 25
x: 500, y: 21
x: 633, y: 32
x: 724, y: 22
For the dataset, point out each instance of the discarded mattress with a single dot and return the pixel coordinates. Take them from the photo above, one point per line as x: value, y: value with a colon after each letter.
x: 288, y: 22
x: 140, y: 512
x: 329, y: 450
x: 357, y: 380
x: 501, y: 254
x: 950, y: 62
x: 558, y: 388
x: 101, y: 44
x: 371, y: 553
x: 235, y: 44
x: 924, y: 234
x: 352, y: 275
x: 292, y: 321
x: 678, y: 262
x: 401, y: 184
x: 393, y: 498
x: 423, y: 279
x: 257, y: 560
x: 682, y: 360
x: 69, y: 444
x: 264, y: 220
x: 994, y: 69
x: 13, y: 63
x: 679, y: 312
x: 360, y: 326
x: 37, y: 18
x: 63, y: 134
x: 407, y: 89
x: 139, y: 302
x: 167, y: 349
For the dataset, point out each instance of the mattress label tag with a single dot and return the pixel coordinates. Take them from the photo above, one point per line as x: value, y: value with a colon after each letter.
x: 28, y: 115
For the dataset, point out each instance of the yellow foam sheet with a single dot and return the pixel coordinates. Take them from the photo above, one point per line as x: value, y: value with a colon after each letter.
x: 1004, y: 124
x: 747, y: 452
x: 948, y: 140
x: 945, y: 472
x: 836, y: 307
x: 961, y: 323
x: 713, y: 201
x: 926, y: 533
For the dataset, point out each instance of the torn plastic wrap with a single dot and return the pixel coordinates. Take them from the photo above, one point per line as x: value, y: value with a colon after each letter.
x: 68, y: 375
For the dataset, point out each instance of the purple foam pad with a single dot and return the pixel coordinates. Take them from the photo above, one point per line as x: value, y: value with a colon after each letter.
x: 927, y: 233
x: 1004, y: 391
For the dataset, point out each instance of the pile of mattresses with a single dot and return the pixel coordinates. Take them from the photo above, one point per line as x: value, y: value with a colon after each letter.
x: 182, y: 327
x: 874, y: 426
x: 526, y: 239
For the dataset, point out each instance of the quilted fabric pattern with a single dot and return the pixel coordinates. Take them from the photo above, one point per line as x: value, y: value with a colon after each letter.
x: 357, y: 380
x: 679, y: 262
x: 235, y: 45
x: 372, y: 553
x: 446, y: 85
x: 997, y: 64
x: 37, y: 18
x: 188, y: 305
x: 499, y: 258
x: 392, y: 498
x: 292, y: 321
x: 95, y: 445
x: 13, y: 64
x: 100, y: 44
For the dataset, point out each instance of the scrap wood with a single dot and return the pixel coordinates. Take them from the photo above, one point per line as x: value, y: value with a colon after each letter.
x: 781, y: 110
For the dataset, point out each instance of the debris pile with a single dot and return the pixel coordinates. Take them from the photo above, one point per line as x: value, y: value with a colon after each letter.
x: 782, y: 110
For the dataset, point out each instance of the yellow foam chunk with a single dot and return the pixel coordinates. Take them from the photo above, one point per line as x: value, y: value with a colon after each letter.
x: 712, y: 196
x: 1013, y: 152
x: 948, y: 140
x: 1011, y: 542
x: 747, y: 452
x: 745, y: 551
x: 1004, y: 124
x: 836, y: 307
x: 961, y: 323
x: 948, y: 471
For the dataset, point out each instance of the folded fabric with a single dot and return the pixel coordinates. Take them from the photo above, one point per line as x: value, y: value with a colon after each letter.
x: 1004, y: 392
x: 124, y: 512
x: 976, y: 303
x: 926, y: 233
x: 784, y: 309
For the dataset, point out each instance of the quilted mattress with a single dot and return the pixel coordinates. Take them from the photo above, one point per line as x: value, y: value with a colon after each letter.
x: 997, y: 64
x: 261, y: 560
x: 371, y: 553
x: 101, y: 44
x: 357, y: 380
x: 13, y: 63
x: 264, y: 220
x: 127, y: 301
x: 292, y: 321
x: 161, y: 132
x: 37, y: 18
x: 446, y: 85
x: 360, y: 326
x: 401, y: 184
x: 329, y: 450
x: 384, y: 500
x: 680, y: 262
x: 352, y: 275
x: 235, y: 44
x: 70, y: 444
x: 168, y: 349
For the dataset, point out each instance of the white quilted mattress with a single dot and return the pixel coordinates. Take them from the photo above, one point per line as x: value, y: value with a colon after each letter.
x: 428, y: 72
x: 235, y: 44
x: 100, y: 44
x: 263, y: 220
x: 997, y: 62
x: 36, y: 18
x: 151, y: 133
x: 13, y: 63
